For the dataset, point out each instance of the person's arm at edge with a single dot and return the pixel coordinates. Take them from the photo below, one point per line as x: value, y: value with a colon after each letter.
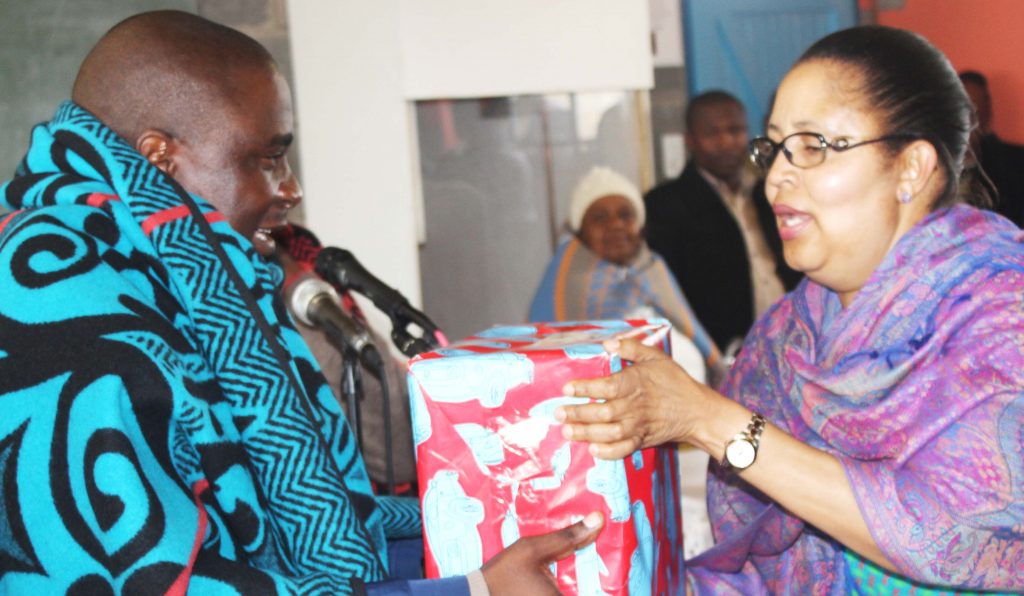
x: 519, y: 569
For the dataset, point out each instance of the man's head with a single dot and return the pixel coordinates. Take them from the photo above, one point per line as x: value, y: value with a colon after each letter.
x: 716, y: 134
x: 204, y: 103
x: 976, y: 86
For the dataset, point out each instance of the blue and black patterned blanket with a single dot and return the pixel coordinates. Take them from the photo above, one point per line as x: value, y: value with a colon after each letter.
x: 163, y: 425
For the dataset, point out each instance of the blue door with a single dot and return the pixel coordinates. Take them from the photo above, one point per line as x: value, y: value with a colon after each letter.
x: 746, y: 46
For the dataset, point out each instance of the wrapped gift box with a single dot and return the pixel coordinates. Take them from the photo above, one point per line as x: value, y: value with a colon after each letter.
x: 493, y: 465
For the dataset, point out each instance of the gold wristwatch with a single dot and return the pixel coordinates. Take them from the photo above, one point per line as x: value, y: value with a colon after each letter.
x: 741, y: 450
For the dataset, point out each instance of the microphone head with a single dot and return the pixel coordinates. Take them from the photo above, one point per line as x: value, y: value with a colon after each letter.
x: 330, y: 258
x: 302, y: 294
x: 341, y: 267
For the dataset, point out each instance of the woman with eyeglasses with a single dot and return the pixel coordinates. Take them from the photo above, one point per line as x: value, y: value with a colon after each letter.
x: 870, y: 436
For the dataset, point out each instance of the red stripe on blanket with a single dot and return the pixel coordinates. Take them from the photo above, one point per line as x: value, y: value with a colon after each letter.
x: 180, y: 585
x: 7, y: 220
x: 174, y: 213
x: 98, y: 198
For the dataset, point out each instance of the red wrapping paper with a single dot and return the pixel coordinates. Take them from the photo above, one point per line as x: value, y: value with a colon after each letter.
x: 493, y: 465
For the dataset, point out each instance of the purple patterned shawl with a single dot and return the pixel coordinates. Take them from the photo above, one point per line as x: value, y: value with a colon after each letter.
x: 918, y: 388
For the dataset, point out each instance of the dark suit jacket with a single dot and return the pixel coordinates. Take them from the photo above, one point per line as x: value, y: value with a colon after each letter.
x: 690, y: 226
x: 1004, y: 164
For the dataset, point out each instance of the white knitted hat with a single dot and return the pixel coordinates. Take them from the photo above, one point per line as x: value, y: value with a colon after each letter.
x: 598, y: 183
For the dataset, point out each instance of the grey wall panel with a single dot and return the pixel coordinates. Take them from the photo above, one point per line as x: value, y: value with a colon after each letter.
x: 42, y: 43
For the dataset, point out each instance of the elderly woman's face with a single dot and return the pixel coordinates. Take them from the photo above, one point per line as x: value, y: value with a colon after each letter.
x: 611, y: 230
x: 837, y: 220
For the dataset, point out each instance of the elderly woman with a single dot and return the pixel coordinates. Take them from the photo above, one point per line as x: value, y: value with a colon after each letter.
x: 870, y: 432
x: 606, y: 271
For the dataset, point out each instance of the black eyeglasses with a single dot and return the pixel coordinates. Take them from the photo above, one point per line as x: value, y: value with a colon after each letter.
x: 805, y: 149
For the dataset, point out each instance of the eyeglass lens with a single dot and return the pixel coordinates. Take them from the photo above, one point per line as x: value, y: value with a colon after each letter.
x: 802, y: 149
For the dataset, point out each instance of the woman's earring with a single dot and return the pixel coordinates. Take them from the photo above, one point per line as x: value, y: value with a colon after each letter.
x: 904, y: 196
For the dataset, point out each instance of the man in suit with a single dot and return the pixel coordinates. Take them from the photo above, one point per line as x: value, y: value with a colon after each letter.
x: 1002, y: 162
x: 714, y: 226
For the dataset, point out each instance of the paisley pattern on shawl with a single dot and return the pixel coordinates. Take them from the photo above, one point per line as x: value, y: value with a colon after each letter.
x: 164, y: 427
x: 917, y: 388
x: 578, y: 285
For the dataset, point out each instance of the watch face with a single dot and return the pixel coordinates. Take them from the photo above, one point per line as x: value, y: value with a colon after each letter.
x: 740, y: 453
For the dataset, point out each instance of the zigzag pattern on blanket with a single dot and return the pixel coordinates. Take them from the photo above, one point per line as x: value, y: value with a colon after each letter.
x: 319, y: 519
x: 401, y: 516
x: 293, y: 467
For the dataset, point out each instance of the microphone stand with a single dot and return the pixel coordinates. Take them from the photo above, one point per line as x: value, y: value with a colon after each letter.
x: 430, y: 338
x: 352, y: 390
x: 352, y: 393
x: 407, y: 343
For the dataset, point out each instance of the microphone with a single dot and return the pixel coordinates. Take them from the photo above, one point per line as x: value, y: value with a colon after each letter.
x: 341, y: 267
x: 314, y: 302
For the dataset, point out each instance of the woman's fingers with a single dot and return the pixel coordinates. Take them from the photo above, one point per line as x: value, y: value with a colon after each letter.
x: 608, y: 387
x: 596, y: 432
x: 632, y: 407
x: 634, y: 351
x: 607, y: 441
x: 621, y: 383
x: 591, y: 413
x: 616, y: 450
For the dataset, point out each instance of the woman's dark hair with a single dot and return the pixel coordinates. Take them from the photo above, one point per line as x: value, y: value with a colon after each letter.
x: 912, y: 87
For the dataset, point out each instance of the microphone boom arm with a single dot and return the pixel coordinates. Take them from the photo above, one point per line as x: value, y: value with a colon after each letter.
x: 341, y: 267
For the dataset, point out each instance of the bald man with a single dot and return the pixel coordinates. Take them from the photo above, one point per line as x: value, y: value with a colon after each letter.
x: 164, y: 427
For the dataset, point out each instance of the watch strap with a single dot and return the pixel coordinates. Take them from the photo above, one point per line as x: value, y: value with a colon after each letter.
x: 756, y: 428
x: 752, y: 435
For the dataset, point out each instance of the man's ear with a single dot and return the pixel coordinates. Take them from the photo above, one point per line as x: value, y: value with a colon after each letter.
x: 158, y: 148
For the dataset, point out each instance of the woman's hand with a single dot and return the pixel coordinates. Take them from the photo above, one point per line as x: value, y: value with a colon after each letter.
x: 649, y: 403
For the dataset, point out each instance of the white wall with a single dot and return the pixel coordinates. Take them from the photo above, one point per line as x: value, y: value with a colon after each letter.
x: 485, y: 48
x: 358, y: 63
x: 355, y: 143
